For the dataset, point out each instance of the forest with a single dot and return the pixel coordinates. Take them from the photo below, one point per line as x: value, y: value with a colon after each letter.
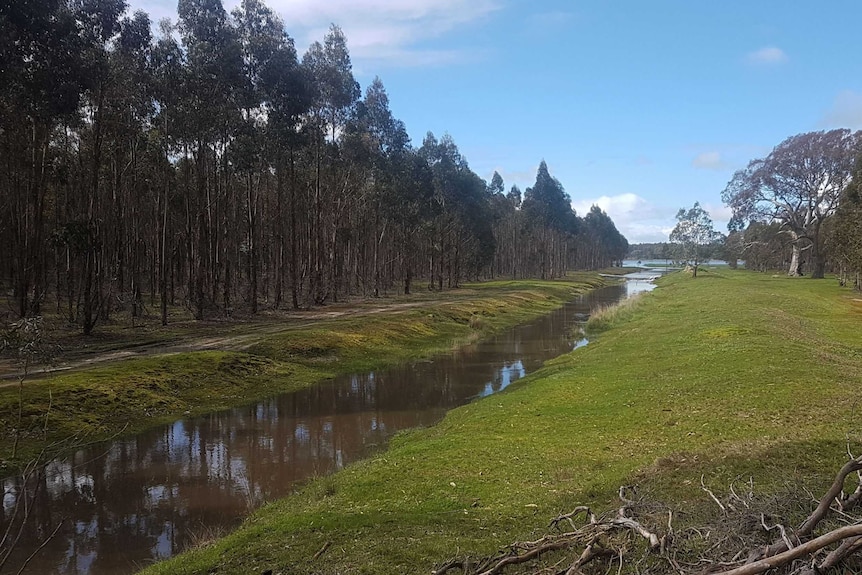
x: 209, y: 168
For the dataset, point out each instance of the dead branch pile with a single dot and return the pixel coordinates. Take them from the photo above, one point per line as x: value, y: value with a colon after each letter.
x: 639, y: 537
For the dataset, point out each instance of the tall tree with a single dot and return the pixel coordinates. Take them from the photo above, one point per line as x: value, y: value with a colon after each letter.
x: 463, y: 242
x: 210, y: 111
x: 261, y: 35
x: 167, y: 69
x: 288, y: 94
x: 334, y: 94
x: 100, y: 23
x: 797, y: 185
x: 548, y: 211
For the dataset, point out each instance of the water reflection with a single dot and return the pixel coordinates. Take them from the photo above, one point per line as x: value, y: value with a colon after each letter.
x: 142, y: 499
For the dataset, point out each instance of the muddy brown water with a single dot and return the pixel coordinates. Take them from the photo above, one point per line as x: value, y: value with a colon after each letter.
x: 131, y: 502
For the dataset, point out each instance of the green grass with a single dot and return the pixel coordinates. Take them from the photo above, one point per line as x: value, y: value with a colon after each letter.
x: 729, y: 375
x: 123, y: 397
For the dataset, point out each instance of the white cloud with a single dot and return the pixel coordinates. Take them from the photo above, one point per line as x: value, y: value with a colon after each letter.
x: 769, y: 55
x: 708, y: 161
x: 619, y: 205
x: 157, y: 10
x: 387, y: 32
x: 846, y: 111
x: 635, y: 217
x: 720, y: 215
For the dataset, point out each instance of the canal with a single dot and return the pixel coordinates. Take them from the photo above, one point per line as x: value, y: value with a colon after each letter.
x: 130, y: 502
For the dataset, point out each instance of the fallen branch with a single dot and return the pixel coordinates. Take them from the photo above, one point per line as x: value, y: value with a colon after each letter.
x: 591, y: 517
x: 802, y: 550
x: 807, y: 528
x: 321, y: 551
x: 593, y: 550
x: 712, y: 496
x: 528, y: 556
x: 780, y: 528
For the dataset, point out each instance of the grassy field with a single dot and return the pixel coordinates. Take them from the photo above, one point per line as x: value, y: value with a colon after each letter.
x: 730, y: 376
x: 256, y: 360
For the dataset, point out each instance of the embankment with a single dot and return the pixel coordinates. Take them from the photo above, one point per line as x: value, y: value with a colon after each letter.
x: 730, y: 375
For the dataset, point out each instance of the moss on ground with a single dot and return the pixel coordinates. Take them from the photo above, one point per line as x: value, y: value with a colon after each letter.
x: 729, y: 375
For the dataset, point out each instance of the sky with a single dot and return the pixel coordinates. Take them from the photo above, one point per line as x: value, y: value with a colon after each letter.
x: 640, y: 106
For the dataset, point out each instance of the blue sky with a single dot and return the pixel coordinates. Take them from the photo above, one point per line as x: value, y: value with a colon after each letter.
x: 642, y: 107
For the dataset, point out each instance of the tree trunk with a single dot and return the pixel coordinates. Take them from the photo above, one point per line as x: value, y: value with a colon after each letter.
x: 795, y: 261
x: 294, y: 237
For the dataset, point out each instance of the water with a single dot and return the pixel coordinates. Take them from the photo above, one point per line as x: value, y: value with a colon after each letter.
x: 130, y: 502
x: 665, y: 264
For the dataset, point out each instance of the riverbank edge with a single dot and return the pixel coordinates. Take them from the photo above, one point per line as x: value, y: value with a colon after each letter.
x: 730, y: 376
x: 64, y: 411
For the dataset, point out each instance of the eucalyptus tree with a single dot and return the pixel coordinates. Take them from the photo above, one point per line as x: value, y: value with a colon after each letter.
x: 515, y: 224
x: 798, y: 185
x: 167, y: 65
x: 210, y: 112
x: 287, y: 91
x: 128, y: 117
x: 384, y: 146
x: 100, y: 23
x: 502, y: 211
x: 551, y: 220
x: 462, y: 241
x: 261, y: 36
x: 411, y: 206
x: 733, y: 248
x: 334, y: 94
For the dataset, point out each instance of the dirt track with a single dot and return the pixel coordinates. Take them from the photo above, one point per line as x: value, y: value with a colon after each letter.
x: 242, y: 335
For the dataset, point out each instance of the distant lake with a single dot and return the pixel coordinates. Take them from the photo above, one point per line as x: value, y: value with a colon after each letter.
x: 669, y: 263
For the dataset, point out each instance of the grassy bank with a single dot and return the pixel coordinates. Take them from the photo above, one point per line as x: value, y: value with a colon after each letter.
x: 730, y: 375
x: 122, y: 397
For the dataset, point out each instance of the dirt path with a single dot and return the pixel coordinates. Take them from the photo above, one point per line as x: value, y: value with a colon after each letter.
x: 244, y: 335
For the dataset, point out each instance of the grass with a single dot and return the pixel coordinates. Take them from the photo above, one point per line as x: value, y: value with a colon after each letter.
x: 729, y: 375
x: 608, y: 315
x: 128, y: 396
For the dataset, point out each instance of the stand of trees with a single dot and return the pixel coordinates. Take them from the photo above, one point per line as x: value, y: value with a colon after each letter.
x: 212, y: 167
